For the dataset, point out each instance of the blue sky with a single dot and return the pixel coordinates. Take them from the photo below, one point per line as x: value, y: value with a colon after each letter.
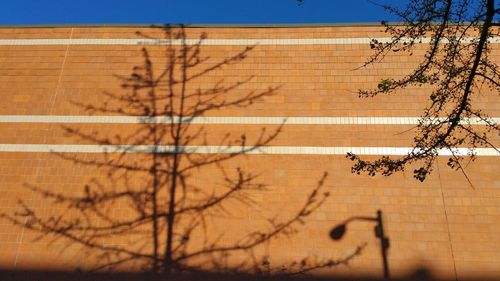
x: 191, y: 11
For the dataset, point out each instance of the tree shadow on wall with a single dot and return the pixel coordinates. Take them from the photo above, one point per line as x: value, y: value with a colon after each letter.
x: 163, y: 195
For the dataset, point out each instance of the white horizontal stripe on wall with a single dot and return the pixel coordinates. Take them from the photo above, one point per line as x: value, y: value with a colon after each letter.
x: 290, y: 150
x: 213, y: 42
x: 226, y: 120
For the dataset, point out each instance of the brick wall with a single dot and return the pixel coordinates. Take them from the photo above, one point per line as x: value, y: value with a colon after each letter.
x: 444, y: 223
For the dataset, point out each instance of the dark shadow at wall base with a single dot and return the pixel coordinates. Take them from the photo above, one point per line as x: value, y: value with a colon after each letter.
x: 31, y: 275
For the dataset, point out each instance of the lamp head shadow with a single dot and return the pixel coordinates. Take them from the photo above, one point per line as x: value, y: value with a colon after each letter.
x: 337, y: 232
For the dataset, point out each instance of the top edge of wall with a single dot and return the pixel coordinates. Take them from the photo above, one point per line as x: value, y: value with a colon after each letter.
x: 124, y: 25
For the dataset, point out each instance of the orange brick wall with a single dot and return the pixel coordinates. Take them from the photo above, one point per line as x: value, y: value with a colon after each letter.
x: 444, y: 223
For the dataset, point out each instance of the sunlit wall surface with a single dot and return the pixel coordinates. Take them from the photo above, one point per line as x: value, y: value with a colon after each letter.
x: 224, y: 149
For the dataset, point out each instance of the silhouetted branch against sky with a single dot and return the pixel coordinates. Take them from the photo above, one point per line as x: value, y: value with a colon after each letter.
x: 163, y: 211
x: 456, y: 68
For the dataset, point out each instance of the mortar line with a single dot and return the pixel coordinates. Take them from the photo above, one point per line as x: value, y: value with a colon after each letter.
x: 44, y: 140
x: 447, y: 222
x: 58, y: 85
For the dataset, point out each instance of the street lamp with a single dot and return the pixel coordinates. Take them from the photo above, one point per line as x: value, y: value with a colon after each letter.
x: 337, y: 232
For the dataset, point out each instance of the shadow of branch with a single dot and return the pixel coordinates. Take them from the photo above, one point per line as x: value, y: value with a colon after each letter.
x: 145, y: 208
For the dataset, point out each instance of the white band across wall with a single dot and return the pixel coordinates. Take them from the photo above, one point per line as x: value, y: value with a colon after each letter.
x: 215, y: 42
x: 288, y: 150
x: 220, y: 120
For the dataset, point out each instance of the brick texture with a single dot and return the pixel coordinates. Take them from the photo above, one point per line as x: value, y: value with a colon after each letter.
x: 444, y: 223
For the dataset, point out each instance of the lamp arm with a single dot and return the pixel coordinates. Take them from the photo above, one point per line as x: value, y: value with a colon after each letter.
x: 362, y: 219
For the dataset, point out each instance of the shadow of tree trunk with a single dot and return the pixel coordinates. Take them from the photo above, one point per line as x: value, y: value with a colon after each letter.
x: 150, y: 212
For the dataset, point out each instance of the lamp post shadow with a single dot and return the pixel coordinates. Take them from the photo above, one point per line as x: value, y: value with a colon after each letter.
x: 338, y: 232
